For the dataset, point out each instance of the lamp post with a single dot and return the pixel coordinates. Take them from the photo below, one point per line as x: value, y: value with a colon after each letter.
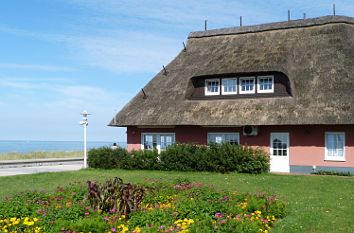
x: 84, y: 122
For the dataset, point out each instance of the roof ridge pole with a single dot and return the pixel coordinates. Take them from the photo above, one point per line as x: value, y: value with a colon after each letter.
x: 142, y: 89
x: 205, y: 25
x: 241, y: 21
x: 288, y: 15
x: 334, y: 9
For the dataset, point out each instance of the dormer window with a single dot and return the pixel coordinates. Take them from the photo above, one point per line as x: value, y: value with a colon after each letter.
x: 229, y: 86
x: 247, y: 85
x: 265, y: 84
x: 212, y: 87
x: 239, y: 86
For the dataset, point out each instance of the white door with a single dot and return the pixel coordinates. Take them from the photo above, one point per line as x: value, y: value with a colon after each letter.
x: 279, y: 152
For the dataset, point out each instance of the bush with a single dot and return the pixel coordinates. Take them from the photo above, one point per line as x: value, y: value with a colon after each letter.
x: 217, y: 157
x: 105, y: 157
x: 185, y: 157
x: 143, y: 159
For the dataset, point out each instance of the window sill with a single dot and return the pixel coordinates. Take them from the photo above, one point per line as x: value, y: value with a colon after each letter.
x: 212, y: 93
x: 262, y: 92
x: 334, y: 160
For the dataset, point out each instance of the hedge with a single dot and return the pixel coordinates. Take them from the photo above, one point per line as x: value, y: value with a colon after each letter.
x: 184, y: 157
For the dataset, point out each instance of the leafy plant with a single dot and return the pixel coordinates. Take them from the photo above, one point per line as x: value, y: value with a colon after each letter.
x: 114, y: 196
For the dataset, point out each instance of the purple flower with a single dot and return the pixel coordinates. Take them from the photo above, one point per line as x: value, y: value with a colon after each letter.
x: 219, y: 215
x: 113, y: 229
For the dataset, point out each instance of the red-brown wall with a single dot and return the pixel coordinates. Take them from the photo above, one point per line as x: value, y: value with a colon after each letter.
x: 307, y: 143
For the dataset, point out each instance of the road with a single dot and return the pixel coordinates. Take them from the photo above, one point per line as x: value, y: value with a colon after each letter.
x: 39, y: 169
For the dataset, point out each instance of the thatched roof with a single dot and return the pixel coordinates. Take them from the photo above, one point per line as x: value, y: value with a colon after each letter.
x: 317, y: 55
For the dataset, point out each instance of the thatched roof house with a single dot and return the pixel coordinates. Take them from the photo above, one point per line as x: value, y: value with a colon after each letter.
x: 308, y: 66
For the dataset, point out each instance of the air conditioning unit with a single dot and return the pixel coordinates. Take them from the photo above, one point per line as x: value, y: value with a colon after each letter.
x: 250, y: 130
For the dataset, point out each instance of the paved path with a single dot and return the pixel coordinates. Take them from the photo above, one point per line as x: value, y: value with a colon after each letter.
x: 38, y: 169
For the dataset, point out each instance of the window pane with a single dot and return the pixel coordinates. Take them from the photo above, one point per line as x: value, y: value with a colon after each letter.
x: 213, y: 86
x: 148, y: 142
x: 247, y: 85
x: 218, y: 139
x: 335, y: 144
x: 229, y: 85
x: 166, y: 140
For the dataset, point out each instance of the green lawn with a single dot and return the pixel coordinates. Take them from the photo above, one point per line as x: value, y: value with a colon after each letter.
x: 314, y: 203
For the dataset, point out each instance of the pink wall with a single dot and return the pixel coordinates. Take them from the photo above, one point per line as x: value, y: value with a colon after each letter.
x: 306, y: 142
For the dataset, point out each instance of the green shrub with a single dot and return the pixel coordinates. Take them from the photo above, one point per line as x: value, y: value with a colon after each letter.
x: 143, y: 159
x: 217, y: 157
x: 105, y: 157
x: 185, y: 157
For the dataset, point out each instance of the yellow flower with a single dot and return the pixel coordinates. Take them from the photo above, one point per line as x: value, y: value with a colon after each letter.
x: 137, y: 230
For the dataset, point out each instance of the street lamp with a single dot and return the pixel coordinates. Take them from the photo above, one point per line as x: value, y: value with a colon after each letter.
x: 84, y: 122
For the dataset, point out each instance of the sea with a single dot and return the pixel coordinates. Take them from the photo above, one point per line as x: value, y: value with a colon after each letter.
x: 22, y: 146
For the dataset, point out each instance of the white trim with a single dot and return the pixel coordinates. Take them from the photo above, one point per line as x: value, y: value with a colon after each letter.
x: 223, y: 134
x: 228, y: 92
x: 259, y: 86
x: 158, y: 140
x: 254, y: 85
x: 206, y: 92
x: 334, y: 158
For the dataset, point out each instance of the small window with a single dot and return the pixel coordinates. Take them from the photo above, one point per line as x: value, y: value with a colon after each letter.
x: 149, y: 141
x: 232, y: 138
x: 247, y: 85
x: 158, y: 141
x: 212, y: 87
x: 229, y: 86
x: 265, y: 84
x: 335, y: 144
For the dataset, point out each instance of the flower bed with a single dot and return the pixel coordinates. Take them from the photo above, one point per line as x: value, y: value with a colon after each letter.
x: 184, y: 207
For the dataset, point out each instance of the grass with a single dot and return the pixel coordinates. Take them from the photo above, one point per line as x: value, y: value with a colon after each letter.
x: 314, y: 203
x: 40, y: 155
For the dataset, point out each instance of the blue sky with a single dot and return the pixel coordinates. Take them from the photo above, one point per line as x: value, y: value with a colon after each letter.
x: 60, y: 57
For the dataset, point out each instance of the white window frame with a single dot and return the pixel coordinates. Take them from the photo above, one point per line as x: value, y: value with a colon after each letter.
x: 240, y: 85
x: 259, y: 85
x: 158, y: 142
x: 334, y: 158
x: 223, y: 92
x: 207, y: 92
x: 223, y: 135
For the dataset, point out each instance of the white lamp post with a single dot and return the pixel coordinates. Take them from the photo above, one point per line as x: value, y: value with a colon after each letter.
x: 84, y: 122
